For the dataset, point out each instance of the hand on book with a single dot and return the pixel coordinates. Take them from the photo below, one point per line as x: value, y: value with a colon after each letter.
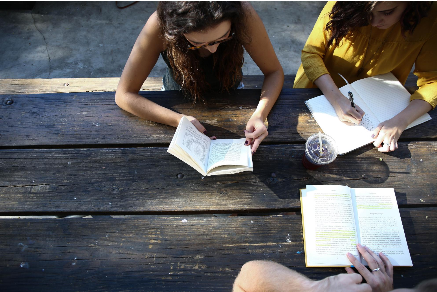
x: 387, y: 133
x: 380, y: 280
x: 199, y: 126
x: 255, y: 132
x: 345, y: 112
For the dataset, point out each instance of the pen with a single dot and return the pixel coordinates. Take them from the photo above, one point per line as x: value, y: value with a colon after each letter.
x: 351, y: 96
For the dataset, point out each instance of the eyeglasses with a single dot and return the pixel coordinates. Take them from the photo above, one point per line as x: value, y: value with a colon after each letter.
x: 191, y: 47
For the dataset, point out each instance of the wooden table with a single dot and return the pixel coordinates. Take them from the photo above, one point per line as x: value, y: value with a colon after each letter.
x: 91, y: 201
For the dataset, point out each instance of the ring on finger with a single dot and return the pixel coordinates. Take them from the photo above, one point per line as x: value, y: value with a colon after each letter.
x: 376, y: 270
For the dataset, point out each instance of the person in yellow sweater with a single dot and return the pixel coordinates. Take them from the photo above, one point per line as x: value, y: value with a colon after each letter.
x: 363, y: 39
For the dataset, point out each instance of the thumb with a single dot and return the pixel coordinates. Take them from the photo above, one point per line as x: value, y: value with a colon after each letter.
x: 376, y: 131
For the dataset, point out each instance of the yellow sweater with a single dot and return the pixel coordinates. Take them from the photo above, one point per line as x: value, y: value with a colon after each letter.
x: 371, y: 52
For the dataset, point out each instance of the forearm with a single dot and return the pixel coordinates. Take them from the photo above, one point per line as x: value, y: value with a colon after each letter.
x: 270, y: 91
x: 270, y: 276
x: 146, y: 109
x: 414, y: 110
x: 329, y: 89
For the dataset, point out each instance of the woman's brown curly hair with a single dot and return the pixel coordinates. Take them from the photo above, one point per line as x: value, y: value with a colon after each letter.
x: 346, y: 16
x: 179, y: 18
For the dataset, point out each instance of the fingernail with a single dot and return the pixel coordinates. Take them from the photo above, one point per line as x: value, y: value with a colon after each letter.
x: 349, y: 254
x: 204, y: 132
x: 359, y: 245
x: 246, y: 142
x: 253, y: 152
x: 373, y: 136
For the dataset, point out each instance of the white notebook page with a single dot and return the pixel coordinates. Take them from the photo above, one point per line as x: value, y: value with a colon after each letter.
x: 386, y: 97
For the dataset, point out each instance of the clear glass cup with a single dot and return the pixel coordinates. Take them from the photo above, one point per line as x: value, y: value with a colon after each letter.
x: 314, y: 156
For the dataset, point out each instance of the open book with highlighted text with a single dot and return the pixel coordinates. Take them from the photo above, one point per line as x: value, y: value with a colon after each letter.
x: 336, y: 218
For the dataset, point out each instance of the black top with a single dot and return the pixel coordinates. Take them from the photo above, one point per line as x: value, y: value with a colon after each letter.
x: 207, y: 65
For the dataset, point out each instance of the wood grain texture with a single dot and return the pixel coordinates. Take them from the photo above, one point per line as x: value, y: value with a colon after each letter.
x: 164, y: 253
x: 108, y: 84
x: 94, y: 118
x: 146, y: 179
x: 68, y: 85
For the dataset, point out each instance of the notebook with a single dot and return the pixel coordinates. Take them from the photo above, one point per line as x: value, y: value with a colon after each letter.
x: 381, y: 98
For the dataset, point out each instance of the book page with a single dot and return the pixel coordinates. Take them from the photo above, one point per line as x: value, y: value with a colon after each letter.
x: 191, y: 146
x: 386, y: 97
x: 346, y: 137
x: 229, y: 152
x: 380, y: 224
x: 329, y: 226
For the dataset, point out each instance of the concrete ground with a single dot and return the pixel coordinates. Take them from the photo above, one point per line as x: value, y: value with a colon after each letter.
x: 94, y: 39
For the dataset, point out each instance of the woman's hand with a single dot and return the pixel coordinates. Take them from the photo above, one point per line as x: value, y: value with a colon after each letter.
x: 345, y: 112
x: 255, y: 132
x: 197, y: 124
x: 380, y: 278
x: 388, y: 132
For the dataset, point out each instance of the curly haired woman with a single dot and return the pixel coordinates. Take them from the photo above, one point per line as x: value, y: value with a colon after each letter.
x: 363, y: 39
x: 203, y: 45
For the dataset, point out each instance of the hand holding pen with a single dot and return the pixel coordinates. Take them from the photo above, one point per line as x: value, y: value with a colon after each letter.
x: 351, y: 98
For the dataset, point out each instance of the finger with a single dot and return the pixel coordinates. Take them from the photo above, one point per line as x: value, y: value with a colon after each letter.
x: 258, y: 141
x: 248, y: 142
x: 360, y: 267
x: 355, y: 278
x: 258, y: 132
x: 360, y: 111
x: 393, y: 145
x: 213, y: 138
x: 378, y: 260
x: 381, y: 138
x: 375, y: 133
x: 355, y: 115
x: 385, y: 147
x: 373, y: 263
x: 387, y: 264
x: 199, y: 126
x: 349, y: 270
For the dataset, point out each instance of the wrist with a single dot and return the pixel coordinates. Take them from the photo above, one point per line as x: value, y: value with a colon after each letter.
x: 177, y: 119
x: 401, y: 122
x: 316, y: 286
x: 258, y: 115
x: 335, y: 98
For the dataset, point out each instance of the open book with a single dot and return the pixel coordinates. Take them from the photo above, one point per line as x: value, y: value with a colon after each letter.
x: 381, y: 98
x: 336, y: 218
x: 209, y: 157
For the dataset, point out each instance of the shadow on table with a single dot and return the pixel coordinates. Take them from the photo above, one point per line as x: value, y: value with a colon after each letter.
x: 285, y: 175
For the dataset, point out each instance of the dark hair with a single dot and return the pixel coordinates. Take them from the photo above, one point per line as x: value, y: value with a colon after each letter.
x: 346, y: 16
x: 427, y: 286
x: 179, y: 18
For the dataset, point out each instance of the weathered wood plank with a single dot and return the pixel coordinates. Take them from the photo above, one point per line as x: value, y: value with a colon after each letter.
x: 181, y: 253
x: 113, y: 181
x: 94, y: 118
x: 67, y: 85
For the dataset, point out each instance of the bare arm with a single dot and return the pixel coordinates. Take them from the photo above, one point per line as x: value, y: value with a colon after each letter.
x: 345, y: 112
x: 269, y: 276
x: 143, y: 57
x: 261, y: 51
